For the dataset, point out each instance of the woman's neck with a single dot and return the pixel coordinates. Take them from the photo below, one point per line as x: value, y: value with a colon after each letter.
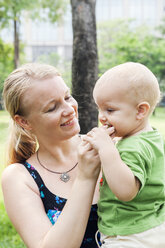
x: 60, y: 152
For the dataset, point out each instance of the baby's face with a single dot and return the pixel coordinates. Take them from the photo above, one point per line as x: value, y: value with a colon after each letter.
x: 116, y: 108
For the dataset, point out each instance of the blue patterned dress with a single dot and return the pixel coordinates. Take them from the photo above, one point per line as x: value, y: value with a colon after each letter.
x: 54, y: 204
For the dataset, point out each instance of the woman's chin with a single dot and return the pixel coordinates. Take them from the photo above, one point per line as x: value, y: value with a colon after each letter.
x: 74, y: 131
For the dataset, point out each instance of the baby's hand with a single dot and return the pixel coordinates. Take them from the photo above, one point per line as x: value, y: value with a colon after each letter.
x: 109, y: 130
x: 100, y: 137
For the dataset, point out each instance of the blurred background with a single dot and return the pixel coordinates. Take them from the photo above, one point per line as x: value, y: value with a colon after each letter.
x: 41, y: 31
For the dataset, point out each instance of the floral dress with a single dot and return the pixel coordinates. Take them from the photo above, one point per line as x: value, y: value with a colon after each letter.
x: 54, y: 204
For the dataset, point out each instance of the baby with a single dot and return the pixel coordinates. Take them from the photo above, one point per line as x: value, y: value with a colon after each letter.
x: 131, y: 208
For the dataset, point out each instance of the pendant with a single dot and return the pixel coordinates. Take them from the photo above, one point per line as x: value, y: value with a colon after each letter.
x: 64, y: 177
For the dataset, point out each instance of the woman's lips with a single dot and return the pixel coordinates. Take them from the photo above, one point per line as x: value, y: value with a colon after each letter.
x: 69, y: 122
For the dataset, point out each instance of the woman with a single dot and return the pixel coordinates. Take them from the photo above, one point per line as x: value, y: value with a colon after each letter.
x: 45, y: 168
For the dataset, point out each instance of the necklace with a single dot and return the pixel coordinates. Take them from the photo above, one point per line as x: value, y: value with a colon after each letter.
x: 64, y: 176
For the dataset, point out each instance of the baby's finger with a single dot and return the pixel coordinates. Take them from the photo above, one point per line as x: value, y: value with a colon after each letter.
x: 110, y: 130
x: 90, y: 134
x: 104, y: 126
x: 87, y: 139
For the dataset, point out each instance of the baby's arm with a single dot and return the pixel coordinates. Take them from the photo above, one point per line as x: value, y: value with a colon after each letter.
x: 119, y: 176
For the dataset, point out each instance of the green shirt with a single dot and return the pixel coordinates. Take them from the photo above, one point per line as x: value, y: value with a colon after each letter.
x: 145, y: 156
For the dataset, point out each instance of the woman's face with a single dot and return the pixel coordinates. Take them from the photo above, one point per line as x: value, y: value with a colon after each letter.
x: 51, y: 110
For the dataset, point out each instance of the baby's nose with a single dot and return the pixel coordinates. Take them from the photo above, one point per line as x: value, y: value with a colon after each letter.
x: 102, y: 118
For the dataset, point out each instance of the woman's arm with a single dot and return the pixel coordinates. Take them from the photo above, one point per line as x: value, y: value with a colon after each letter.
x: 27, y: 213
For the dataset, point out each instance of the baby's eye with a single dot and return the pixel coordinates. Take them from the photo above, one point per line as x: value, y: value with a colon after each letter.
x: 110, y: 110
x: 52, y: 109
x: 68, y: 97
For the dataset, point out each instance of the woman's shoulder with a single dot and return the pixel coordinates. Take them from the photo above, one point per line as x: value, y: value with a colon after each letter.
x: 15, y: 175
x: 12, y: 170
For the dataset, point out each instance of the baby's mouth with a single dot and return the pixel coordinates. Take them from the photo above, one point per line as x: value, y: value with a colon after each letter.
x: 108, y: 125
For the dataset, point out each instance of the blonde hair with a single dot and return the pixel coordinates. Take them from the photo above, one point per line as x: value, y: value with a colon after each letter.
x: 139, y: 81
x: 22, y: 144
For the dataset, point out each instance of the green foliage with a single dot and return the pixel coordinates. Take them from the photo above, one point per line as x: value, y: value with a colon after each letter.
x: 54, y: 9
x: 6, y: 61
x: 119, y: 41
x: 51, y: 10
x: 12, y: 9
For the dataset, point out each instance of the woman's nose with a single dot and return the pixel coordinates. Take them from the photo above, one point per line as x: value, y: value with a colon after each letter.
x: 68, y: 109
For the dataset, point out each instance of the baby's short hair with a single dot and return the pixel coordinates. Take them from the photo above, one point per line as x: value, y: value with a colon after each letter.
x: 139, y: 80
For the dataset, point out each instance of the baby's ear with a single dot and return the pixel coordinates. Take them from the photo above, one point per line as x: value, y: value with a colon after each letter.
x: 142, y: 110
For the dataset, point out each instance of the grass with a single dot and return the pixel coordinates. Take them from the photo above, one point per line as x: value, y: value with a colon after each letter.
x: 158, y: 121
x: 8, y: 235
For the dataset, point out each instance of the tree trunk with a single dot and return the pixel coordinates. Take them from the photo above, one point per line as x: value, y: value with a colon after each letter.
x: 16, y: 43
x: 85, y: 61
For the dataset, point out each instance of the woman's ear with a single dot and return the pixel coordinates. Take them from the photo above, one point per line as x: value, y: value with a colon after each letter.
x: 22, y: 122
x: 142, y: 110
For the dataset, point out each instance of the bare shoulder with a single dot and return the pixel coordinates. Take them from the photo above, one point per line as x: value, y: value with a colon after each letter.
x: 12, y: 168
x: 12, y: 173
x: 14, y: 176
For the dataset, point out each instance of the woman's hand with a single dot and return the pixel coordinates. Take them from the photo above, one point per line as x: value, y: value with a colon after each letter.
x: 89, y: 161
